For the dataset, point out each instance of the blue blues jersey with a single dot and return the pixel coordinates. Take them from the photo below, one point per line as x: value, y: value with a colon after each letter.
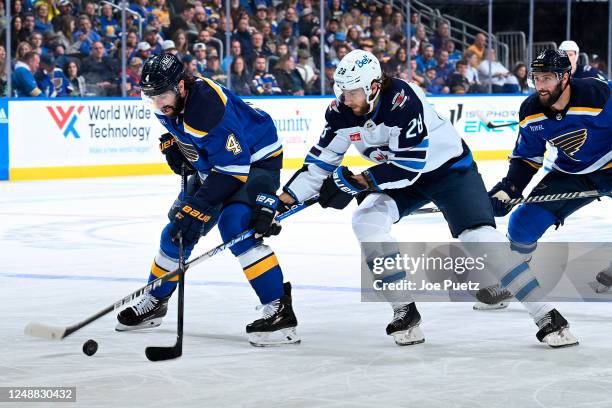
x: 223, y: 137
x: 579, y: 138
x: 404, y: 137
x: 24, y: 83
x: 587, y: 71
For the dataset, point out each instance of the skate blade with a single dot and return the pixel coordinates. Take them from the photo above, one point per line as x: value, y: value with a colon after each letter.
x: 275, y: 338
x: 149, y: 324
x: 414, y: 335
x: 485, y: 306
x: 560, y: 339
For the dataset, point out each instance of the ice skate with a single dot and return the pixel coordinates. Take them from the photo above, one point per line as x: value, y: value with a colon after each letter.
x: 145, y: 314
x: 405, y: 325
x: 492, y: 298
x: 277, y: 325
x: 554, y: 331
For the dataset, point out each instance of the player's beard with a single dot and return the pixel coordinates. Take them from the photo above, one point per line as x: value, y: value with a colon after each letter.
x: 552, y: 97
x: 178, y: 106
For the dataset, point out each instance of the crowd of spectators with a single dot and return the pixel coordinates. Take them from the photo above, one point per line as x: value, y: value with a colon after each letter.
x: 73, y: 48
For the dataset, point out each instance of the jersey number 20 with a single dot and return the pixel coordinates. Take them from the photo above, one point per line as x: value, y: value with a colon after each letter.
x: 232, y: 145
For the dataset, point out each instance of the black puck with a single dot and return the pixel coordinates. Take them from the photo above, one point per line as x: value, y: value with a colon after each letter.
x: 90, y: 347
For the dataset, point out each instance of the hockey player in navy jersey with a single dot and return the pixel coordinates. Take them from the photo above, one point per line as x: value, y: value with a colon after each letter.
x: 574, y: 118
x: 232, y: 152
x: 418, y: 158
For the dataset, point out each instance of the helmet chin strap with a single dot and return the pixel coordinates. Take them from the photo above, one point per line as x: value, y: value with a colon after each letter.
x: 373, y: 100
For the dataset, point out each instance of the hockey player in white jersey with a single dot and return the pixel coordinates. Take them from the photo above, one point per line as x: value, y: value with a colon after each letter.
x: 418, y: 158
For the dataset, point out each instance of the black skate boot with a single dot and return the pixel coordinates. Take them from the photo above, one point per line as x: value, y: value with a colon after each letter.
x: 603, y: 280
x: 277, y: 326
x: 491, y: 298
x: 147, y: 313
x: 405, y: 325
x: 554, y: 331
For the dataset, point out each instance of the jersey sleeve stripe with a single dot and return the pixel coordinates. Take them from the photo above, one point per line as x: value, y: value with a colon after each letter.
x: 234, y: 170
x: 532, y: 119
x: 270, y: 150
x: 576, y: 110
x: 320, y: 163
x: 217, y: 89
x: 194, y: 132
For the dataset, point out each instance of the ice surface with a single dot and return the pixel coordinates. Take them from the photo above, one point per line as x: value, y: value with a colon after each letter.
x: 72, y: 247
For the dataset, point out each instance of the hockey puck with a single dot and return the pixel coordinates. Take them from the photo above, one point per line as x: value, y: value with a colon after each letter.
x: 90, y: 347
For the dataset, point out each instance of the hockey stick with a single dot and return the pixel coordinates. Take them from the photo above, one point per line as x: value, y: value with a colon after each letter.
x: 59, y: 333
x: 489, y: 124
x: 536, y: 199
x: 159, y: 353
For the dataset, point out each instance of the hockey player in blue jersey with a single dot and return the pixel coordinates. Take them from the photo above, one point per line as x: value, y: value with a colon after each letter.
x: 574, y: 118
x: 579, y: 70
x: 418, y: 158
x: 232, y: 152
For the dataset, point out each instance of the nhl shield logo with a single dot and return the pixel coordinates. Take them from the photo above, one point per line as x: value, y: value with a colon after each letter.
x: 399, y: 100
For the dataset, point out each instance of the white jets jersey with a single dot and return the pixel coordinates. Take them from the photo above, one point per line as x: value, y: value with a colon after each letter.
x: 404, y: 137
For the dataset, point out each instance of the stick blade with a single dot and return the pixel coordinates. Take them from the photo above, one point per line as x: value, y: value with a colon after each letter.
x: 44, y: 331
x: 164, y: 353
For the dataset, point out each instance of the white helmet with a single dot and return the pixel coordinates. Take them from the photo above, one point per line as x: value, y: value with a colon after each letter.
x: 358, y: 69
x: 569, y: 45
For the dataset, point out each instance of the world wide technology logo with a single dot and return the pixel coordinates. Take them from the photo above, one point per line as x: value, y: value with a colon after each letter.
x: 66, y: 119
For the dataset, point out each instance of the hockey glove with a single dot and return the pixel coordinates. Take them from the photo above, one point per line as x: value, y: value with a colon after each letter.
x: 503, y: 191
x: 262, y: 218
x: 175, y: 158
x: 339, y: 189
x: 189, y: 221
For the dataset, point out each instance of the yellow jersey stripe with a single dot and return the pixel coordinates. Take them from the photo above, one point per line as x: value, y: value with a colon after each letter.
x: 194, y: 131
x: 241, y: 178
x: 217, y: 89
x: 159, y: 271
x: 584, y: 109
x: 261, y: 267
x: 531, y: 118
x: 532, y: 164
x: 607, y: 166
x: 276, y: 153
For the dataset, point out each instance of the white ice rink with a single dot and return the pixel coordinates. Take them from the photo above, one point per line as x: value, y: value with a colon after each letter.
x: 71, y: 247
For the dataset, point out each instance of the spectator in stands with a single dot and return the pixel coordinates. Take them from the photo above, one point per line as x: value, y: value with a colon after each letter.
x: 308, y: 21
x: 65, y: 9
x: 152, y: 37
x: 441, y: 35
x: 397, y: 64
x: 335, y: 11
x: 396, y: 26
x: 22, y: 49
x: 458, y: 81
x: 472, y: 74
x: 415, y: 77
x: 282, y: 50
x: 453, y: 54
x: 100, y: 71
x: 16, y: 26
x: 435, y: 85
x: 498, y: 73
x: 17, y: 8
x: 376, y: 27
x: 76, y: 82
x: 242, y: 35
x: 257, y: 48
x: 291, y: 20
x: 356, y: 18
x: 140, y: 7
x: 332, y: 28
x: 3, y: 76
x: 182, y: 21
x: 240, y: 79
x: 199, y: 55
x: 520, y: 72
x: 387, y: 13
x: 214, y: 71
x: 143, y: 51
x: 263, y: 82
x: 478, y: 47
x: 260, y: 17
x: 22, y: 79
x: 286, y: 37
x: 109, y: 26
x: 28, y: 27
x: 52, y: 83
x: 426, y: 60
x: 420, y: 37
x: 85, y: 36
x: 36, y: 42
x: 181, y: 43
x: 67, y: 25
x: 161, y: 11
x: 353, y: 36
x: 235, y: 51
x: 288, y: 78
x: 169, y: 47
x: 132, y: 77
x: 190, y: 65
x: 305, y: 68
x: 42, y: 22
x: 89, y: 9
x: 443, y: 69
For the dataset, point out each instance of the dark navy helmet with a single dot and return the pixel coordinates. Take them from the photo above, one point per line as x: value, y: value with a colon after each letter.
x: 551, y: 60
x: 161, y: 73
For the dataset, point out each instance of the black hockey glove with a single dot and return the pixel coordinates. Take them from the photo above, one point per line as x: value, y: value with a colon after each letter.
x: 503, y: 191
x: 338, y: 189
x: 189, y: 221
x: 262, y: 218
x: 175, y: 158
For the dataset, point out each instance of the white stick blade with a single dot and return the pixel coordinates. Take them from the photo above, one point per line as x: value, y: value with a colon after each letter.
x: 45, y: 332
x: 482, y: 117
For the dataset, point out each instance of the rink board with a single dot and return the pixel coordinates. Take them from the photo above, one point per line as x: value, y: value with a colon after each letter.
x: 74, y: 137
